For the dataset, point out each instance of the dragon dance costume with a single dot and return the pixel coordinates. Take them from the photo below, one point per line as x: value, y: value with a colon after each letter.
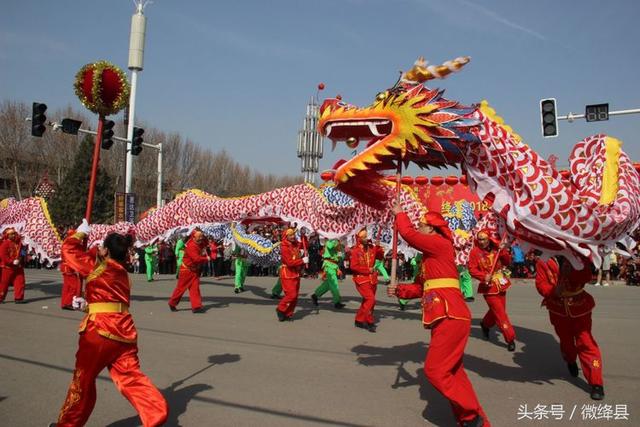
x: 292, y: 263
x: 445, y: 313
x: 189, y: 274
x: 11, y: 265
x: 108, y: 339
x: 569, y: 306
x: 482, y: 263
x: 361, y: 262
x: 330, y: 268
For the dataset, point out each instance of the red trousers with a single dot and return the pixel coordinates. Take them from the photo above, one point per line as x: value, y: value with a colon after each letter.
x: 15, y: 277
x: 576, y: 341
x: 368, y: 292
x: 497, y: 315
x: 444, y: 370
x: 291, y: 288
x: 71, y: 287
x: 191, y: 280
x: 95, y: 353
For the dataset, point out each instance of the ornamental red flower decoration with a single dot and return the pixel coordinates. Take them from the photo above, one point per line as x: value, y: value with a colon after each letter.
x: 102, y: 87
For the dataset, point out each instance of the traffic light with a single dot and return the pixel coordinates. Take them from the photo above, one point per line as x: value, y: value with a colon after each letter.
x: 38, y: 119
x: 136, y: 141
x: 107, y: 134
x: 70, y: 126
x: 549, y: 117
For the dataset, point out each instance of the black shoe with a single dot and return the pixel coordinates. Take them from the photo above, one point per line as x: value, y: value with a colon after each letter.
x: 20, y: 301
x: 476, y: 422
x: 339, y: 305
x: 485, y: 332
x: 67, y: 307
x: 198, y: 310
x: 281, y: 316
x: 403, y: 307
x: 371, y: 327
x: 314, y: 299
x: 52, y: 425
x: 511, y: 346
x: 361, y: 325
x: 573, y: 369
x: 236, y: 290
x: 597, y: 392
x: 242, y: 289
x: 470, y: 299
x: 172, y: 308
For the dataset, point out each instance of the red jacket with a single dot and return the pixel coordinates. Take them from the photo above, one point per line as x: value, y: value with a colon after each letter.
x: 9, y: 252
x: 107, y: 282
x: 194, y: 256
x: 480, y: 263
x: 438, y: 262
x: 291, y: 259
x: 573, y: 300
x: 361, y: 262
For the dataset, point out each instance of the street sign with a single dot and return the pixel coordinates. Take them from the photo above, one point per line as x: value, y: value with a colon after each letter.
x: 130, y: 207
x: 596, y: 112
x: 119, y: 210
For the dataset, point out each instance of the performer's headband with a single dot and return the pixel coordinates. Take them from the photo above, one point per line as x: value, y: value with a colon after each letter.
x: 362, y: 233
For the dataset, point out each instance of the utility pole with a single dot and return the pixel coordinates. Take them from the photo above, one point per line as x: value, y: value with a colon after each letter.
x: 136, y: 60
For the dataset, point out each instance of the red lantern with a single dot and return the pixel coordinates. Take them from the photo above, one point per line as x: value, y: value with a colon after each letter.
x: 407, y: 180
x: 451, y: 180
x: 327, y: 176
x: 437, y: 180
x: 321, y: 86
x: 422, y: 180
x: 102, y: 88
x: 463, y: 180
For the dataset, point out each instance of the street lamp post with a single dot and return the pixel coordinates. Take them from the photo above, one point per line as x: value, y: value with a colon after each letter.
x: 310, y: 142
x: 136, y: 60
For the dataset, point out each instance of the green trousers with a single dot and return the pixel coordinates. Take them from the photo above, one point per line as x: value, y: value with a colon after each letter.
x: 241, y: 272
x: 330, y: 284
x: 466, y: 286
x: 277, y: 288
x: 150, y: 266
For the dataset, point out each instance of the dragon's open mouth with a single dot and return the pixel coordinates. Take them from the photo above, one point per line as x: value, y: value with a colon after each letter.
x: 370, y: 130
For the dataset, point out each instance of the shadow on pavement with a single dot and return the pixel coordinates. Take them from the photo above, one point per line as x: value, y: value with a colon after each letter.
x: 179, y: 397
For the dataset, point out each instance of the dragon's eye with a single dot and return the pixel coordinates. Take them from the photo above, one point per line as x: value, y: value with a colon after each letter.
x: 381, y: 96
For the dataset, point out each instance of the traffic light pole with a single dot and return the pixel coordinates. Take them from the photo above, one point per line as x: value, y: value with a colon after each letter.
x: 94, y: 169
x: 132, y: 113
x: 571, y: 117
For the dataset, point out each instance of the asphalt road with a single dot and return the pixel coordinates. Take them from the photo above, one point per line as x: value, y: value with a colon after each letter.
x: 236, y: 365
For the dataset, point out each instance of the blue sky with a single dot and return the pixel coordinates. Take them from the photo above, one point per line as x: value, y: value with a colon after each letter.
x: 238, y: 74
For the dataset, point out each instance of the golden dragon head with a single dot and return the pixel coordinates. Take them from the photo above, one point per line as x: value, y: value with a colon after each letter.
x: 407, y: 123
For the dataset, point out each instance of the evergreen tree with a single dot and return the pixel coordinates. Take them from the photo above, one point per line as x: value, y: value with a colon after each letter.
x: 68, y: 205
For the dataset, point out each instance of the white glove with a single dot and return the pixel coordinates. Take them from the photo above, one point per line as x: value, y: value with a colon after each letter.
x: 84, y: 227
x: 79, y: 303
x: 305, y: 259
x: 16, y: 262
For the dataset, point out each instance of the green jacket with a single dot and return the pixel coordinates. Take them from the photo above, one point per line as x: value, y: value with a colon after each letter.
x: 179, y: 251
x: 331, y: 255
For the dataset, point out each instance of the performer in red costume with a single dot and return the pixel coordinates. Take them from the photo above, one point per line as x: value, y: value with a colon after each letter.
x: 107, y: 334
x: 292, y: 264
x: 11, y: 265
x: 362, y: 259
x: 444, y: 312
x: 570, y: 308
x: 195, y: 256
x: 71, y: 281
x: 493, y: 286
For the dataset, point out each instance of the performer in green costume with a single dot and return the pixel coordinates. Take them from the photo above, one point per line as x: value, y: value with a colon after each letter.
x: 150, y: 258
x: 379, y: 265
x: 331, y: 260
x: 179, y: 251
x: 466, y: 287
x: 241, y: 267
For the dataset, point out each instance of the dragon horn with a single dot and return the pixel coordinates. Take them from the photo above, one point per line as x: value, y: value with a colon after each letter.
x: 420, y: 73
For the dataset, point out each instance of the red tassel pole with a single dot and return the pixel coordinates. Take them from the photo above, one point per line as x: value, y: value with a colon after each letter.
x: 94, y: 169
